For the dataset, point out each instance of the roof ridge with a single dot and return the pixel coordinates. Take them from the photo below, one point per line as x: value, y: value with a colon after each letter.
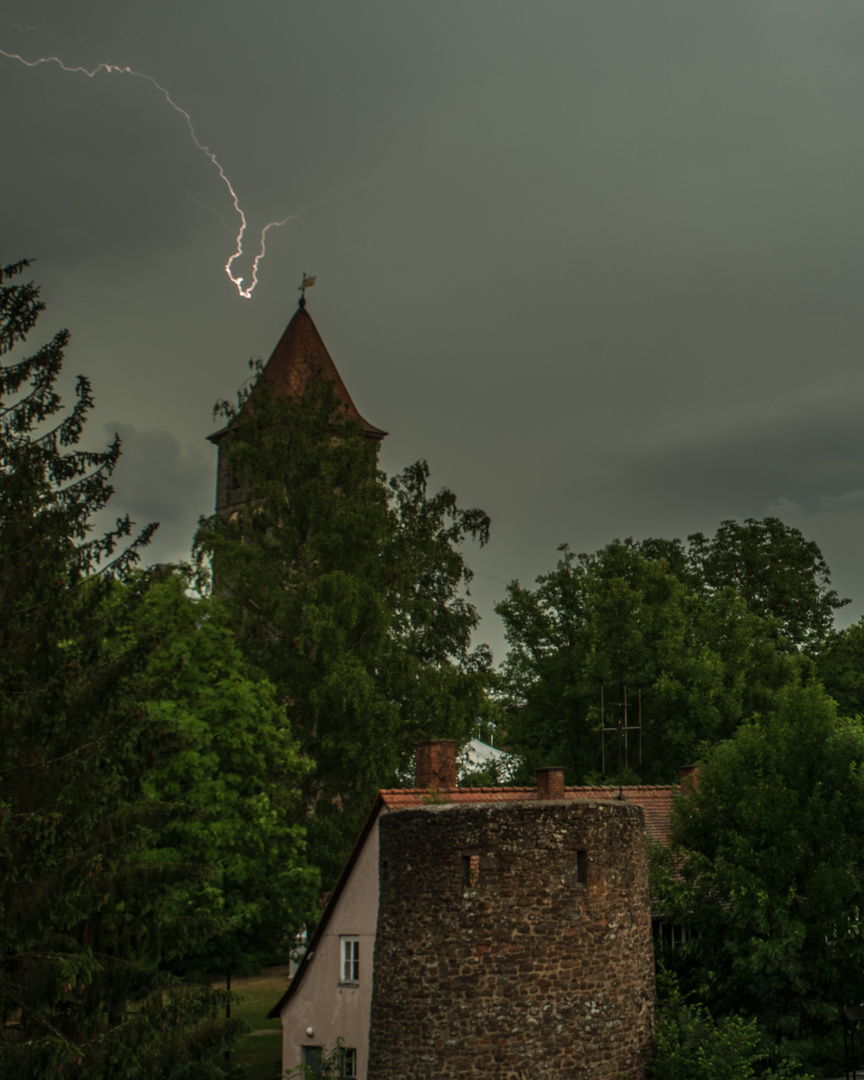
x: 526, y: 787
x: 623, y: 787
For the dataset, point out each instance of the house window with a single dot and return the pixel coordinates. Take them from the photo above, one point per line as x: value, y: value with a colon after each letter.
x: 349, y: 1063
x: 671, y: 936
x: 581, y: 867
x: 315, y: 1059
x: 349, y: 971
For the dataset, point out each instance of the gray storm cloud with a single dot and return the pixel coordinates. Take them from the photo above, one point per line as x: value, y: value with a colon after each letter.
x: 599, y: 263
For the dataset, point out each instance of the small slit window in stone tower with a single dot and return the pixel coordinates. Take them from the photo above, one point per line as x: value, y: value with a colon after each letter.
x: 470, y: 871
x: 581, y: 867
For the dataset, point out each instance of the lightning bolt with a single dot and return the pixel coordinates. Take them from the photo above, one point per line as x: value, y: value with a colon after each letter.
x: 110, y: 69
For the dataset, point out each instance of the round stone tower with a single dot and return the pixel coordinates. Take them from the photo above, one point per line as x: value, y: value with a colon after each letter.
x: 514, y: 940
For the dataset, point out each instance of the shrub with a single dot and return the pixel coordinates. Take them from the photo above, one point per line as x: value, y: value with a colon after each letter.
x: 691, y: 1044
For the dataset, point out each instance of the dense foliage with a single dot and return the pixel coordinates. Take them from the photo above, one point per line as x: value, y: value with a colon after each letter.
x: 773, y: 567
x: 236, y: 772
x: 694, y: 638
x: 84, y: 934
x: 690, y: 1043
x: 766, y: 867
x: 839, y: 664
x: 348, y: 593
x: 691, y: 661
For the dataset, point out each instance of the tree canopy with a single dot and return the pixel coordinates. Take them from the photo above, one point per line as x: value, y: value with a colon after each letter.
x: 776, y: 571
x: 634, y: 619
x: 236, y: 773
x: 348, y: 591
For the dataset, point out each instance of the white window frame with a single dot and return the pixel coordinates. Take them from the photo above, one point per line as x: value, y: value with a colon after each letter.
x: 349, y: 959
x: 349, y: 1063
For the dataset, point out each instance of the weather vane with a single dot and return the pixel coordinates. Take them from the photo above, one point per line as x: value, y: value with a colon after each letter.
x: 305, y: 284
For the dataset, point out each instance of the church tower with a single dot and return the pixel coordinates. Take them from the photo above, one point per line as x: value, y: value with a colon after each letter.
x: 299, y: 358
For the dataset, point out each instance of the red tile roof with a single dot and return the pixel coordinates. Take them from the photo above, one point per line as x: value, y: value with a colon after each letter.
x: 301, y: 356
x: 655, y: 801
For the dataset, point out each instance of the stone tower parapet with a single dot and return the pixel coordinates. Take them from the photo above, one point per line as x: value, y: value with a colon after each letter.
x: 513, y: 940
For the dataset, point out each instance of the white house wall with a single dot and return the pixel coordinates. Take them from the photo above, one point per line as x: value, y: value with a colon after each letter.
x: 323, y: 1003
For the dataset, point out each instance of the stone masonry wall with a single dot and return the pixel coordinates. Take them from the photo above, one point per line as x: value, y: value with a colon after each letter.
x: 513, y: 942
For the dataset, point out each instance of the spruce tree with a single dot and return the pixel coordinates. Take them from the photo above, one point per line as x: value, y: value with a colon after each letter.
x: 82, y: 932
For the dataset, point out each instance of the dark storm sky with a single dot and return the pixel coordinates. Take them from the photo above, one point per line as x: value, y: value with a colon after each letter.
x: 600, y: 263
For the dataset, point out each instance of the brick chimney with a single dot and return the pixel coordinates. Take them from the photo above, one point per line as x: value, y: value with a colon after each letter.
x: 550, y: 783
x: 688, y: 779
x: 435, y: 764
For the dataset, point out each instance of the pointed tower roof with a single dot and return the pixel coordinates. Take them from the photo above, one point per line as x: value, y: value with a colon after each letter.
x: 300, y: 357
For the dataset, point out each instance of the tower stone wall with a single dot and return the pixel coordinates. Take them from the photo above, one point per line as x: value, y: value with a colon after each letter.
x: 513, y: 941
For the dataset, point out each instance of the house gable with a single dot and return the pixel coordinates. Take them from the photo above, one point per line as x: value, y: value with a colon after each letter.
x: 336, y: 972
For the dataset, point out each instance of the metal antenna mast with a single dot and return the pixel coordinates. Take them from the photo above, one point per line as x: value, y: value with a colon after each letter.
x: 621, y: 728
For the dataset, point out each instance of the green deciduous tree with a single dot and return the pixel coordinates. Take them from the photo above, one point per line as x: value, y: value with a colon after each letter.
x: 631, y: 619
x: 347, y: 592
x: 766, y: 865
x: 82, y: 932
x: 775, y: 570
x: 236, y: 773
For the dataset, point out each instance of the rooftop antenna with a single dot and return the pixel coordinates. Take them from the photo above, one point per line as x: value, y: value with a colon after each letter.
x: 622, y: 728
x: 305, y: 284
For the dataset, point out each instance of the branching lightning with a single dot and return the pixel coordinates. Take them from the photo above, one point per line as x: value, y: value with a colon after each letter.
x: 109, y: 69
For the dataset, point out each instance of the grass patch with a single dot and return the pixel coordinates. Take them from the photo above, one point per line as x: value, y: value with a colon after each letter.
x: 259, y: 1055
x: 257, y: 994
